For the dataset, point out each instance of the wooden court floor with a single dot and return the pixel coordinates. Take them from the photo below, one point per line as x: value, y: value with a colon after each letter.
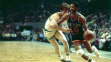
x: 19, y: 51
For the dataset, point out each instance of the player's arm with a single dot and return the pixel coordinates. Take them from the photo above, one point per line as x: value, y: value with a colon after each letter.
x: 66, y: 30
x: 54, y: 18
x: 83, y: 21
x: 64, y: 18
x: 54, y: 25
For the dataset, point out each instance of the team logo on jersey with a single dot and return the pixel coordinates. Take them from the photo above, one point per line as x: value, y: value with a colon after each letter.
x: 74, y: 25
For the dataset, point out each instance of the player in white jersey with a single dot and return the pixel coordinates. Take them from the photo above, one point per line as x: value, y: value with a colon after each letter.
x: 52, y: 31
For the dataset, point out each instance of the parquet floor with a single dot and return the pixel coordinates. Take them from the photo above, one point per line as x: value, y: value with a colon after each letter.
x: 19, y: 51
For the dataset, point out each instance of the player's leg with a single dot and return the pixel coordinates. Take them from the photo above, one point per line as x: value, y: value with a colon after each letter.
x: 70, y: 42
x: 78, y: 47
x: 68, y: 37
x: 90, y: 49
x: 88, y: 46
x: 56, y: 46
x: 59, y: 35
x: 50, y: 37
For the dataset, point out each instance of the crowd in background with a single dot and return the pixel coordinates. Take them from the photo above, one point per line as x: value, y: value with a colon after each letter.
x: 19, y: 11
x: 12, y: 32
x: 97, y: 14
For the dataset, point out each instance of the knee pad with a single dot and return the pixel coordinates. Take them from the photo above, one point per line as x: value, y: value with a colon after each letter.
x: 80, y: 52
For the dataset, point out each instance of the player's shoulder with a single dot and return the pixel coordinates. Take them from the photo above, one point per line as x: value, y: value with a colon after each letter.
x: 66, y: 15
x: 81, y: 16
x: 82, y: 19
x: 54, y: 15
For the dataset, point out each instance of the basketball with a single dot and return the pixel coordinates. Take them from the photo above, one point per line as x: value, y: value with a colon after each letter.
x: 88, y: 35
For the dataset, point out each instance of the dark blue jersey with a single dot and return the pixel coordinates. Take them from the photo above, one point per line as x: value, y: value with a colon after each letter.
x: 75, y: 26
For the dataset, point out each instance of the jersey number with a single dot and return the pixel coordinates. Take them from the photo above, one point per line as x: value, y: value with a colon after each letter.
x: 76, y: 29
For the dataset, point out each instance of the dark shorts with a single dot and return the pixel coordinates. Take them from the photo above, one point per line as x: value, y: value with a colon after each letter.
x: 77, y: 37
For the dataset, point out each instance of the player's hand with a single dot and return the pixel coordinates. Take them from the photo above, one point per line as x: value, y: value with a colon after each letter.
x: 66, y: 30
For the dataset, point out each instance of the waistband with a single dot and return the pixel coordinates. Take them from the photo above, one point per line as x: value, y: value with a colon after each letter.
x: 47, y: 30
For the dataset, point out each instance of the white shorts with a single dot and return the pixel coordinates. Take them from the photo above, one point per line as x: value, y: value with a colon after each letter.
x: 49, y: 34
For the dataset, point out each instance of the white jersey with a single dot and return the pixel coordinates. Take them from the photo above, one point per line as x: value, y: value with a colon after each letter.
x: 47, y: 25
x: 49, y: 33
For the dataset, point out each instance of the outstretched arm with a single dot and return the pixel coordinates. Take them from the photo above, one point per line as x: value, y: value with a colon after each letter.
x: 54, y: 25
x: 64, y: 17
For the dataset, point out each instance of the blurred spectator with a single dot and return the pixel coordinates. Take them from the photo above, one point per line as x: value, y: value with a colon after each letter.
x: 7, y: 36
x: 18, y: 36
x: 96, y: 43
x: 31, y: 36
x: 99, y: 33
x: 3, y: 36
x: 107, y: 43
x: 14, y: 36
x: 0, y: 35
x: 103, y: 38
x: 40, y: 36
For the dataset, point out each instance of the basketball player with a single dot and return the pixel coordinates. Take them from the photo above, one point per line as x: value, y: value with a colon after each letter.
x: 52, y: 31
x: 77, y: 24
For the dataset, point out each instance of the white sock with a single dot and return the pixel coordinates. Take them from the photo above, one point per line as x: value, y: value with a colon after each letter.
x: 93, y: 49
x: 67, y: 56
x: 60, y: 57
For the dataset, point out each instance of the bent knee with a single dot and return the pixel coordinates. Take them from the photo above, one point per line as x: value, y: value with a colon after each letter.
x: 80, y: 52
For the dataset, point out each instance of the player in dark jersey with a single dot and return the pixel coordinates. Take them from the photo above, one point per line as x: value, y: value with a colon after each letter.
x: 77, y: 24
x: 76, y: 28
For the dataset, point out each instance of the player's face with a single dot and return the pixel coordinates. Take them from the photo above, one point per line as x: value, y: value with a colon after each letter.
x: 72, y: 8
x: 65, y: 10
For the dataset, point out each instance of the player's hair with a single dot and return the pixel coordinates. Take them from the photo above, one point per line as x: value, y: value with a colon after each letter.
x: 64, y: 5
x: 75, y: 3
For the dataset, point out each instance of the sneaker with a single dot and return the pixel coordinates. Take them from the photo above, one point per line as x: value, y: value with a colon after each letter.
x: 93, y: 60
x: 63, y: 60
x: 96, y: 51
x: 69, y: 61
